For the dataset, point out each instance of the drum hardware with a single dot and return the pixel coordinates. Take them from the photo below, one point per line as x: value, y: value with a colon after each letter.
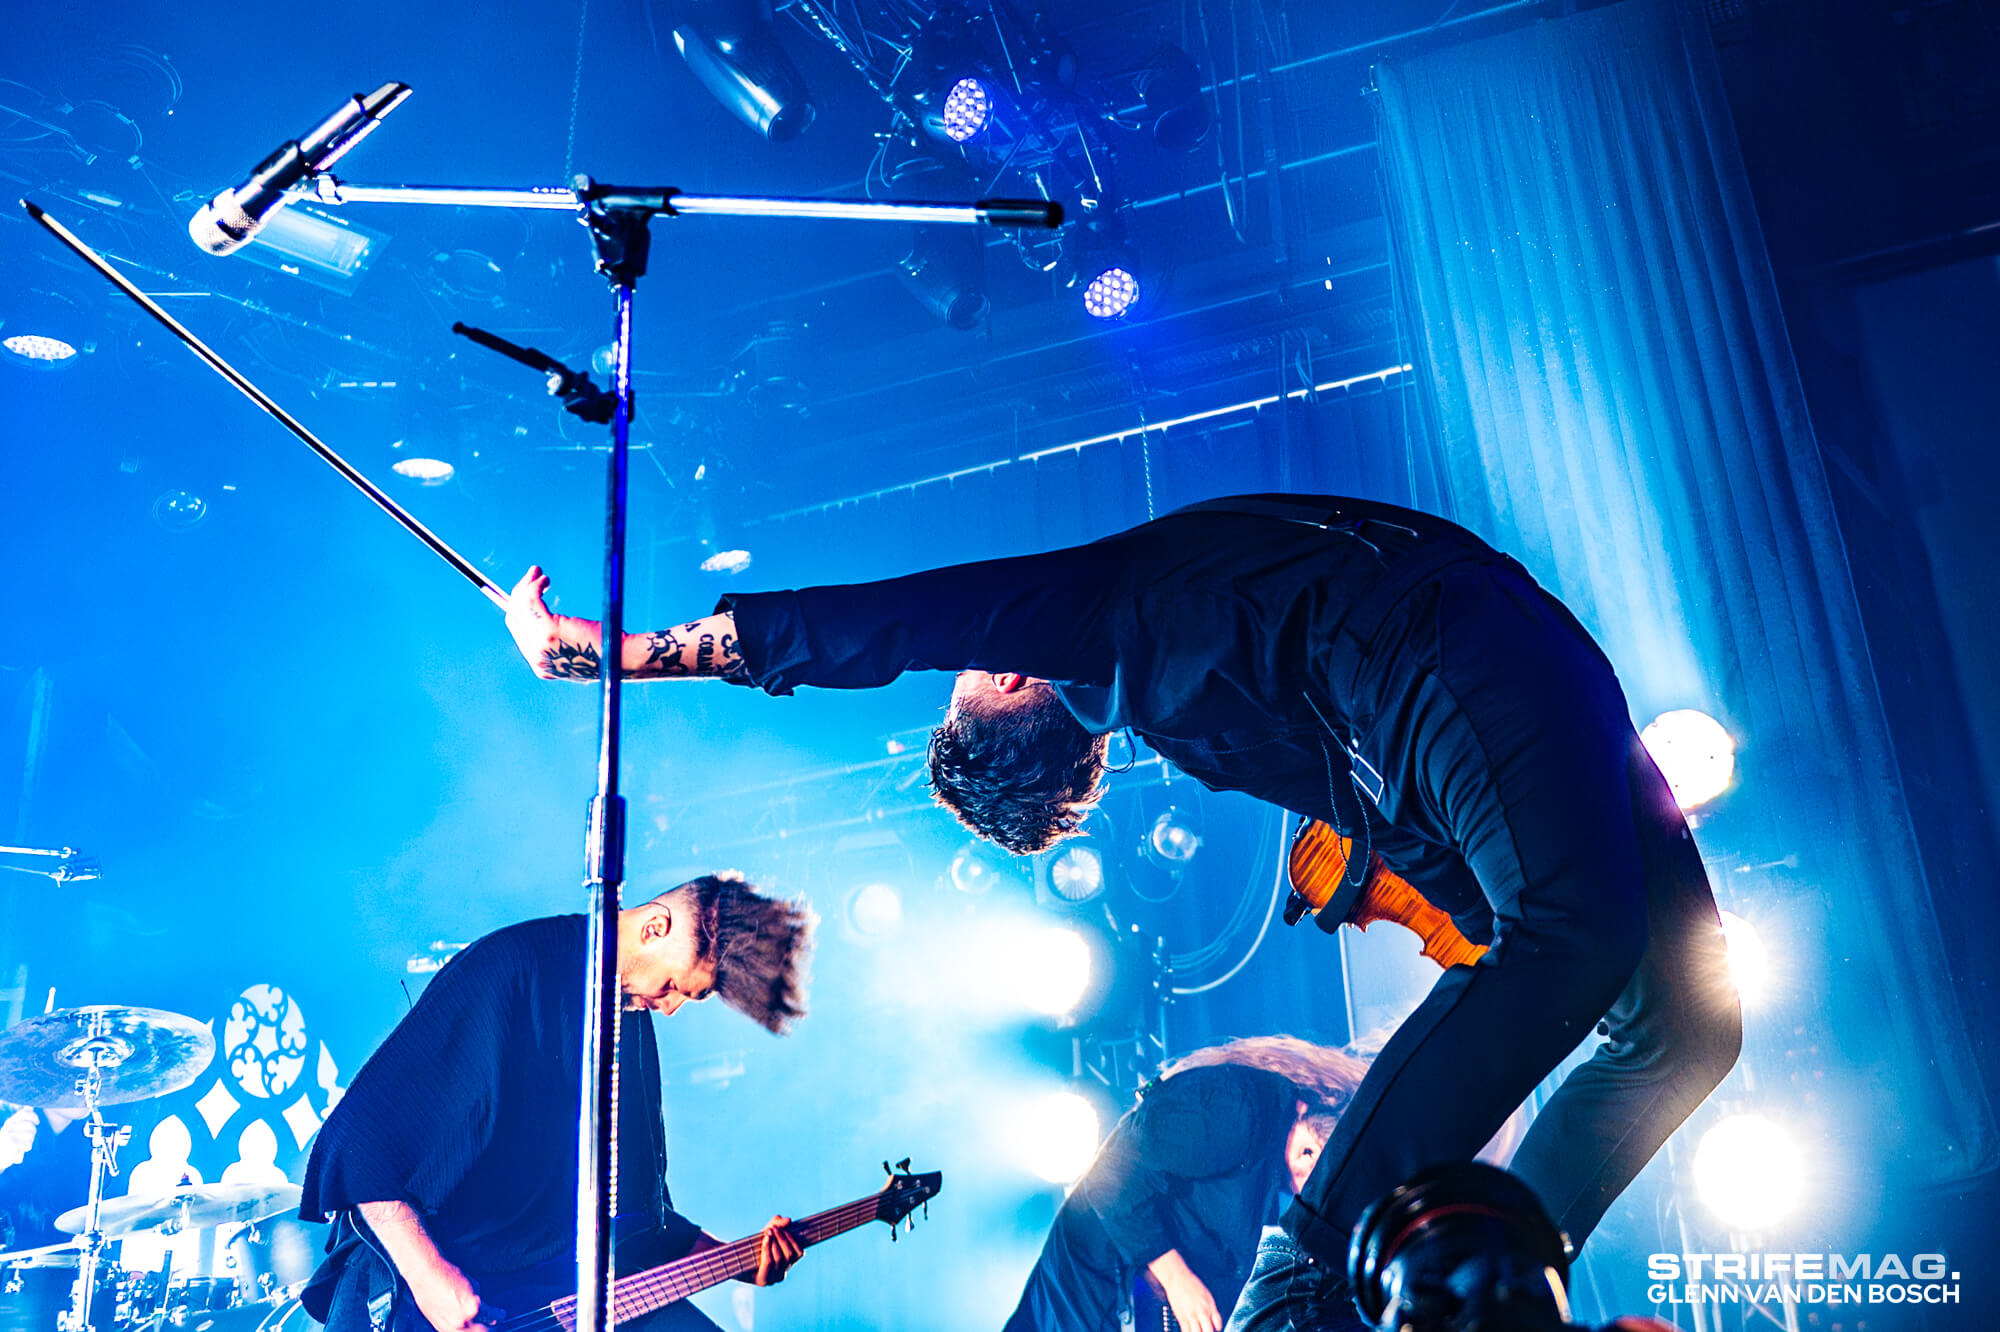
x: 85, y: 1059
x: 187, y: 1206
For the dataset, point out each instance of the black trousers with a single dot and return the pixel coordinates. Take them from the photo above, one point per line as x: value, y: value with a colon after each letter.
x: 1506, y: 742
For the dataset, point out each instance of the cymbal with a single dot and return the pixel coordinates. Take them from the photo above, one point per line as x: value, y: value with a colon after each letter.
x: 49, y: 1255
x: 189, y: 1207
x: 143, y: 1052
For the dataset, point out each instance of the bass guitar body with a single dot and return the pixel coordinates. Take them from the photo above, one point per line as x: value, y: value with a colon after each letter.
x: 1321, y: 885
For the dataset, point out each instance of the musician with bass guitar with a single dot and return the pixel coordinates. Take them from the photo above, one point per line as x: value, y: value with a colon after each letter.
x: 449, y: 1164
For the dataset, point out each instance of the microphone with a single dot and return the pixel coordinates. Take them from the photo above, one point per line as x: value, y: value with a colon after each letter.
x: 226, y: 223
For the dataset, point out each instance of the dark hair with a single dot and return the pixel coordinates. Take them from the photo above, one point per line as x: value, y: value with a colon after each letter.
x: 1327, y: 1078
x: 760, y: 947
x: 1022, y: 773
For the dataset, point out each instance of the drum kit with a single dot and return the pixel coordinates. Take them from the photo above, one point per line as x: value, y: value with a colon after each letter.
x: 78, y: 1061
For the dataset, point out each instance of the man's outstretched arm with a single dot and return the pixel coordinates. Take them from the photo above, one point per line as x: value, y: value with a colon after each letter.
x: 562, y: 647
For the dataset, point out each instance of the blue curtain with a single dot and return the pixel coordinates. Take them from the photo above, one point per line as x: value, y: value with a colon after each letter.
x: 1613, y: 399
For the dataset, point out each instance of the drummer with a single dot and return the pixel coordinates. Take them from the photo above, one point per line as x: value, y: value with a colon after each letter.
x: 44, y: 1168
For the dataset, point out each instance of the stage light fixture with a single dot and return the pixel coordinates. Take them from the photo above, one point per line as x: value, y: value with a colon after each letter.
x: 1060, y: 1134
x: 1172, y: 840
x: 733, y: 51
x: 1749, y: 1172
x: 733, y: 561
x: 968, y: 107
x: 423, y: 471
x: 1749, y: 962
x: 975, y: 868
x: 874, y: 911
x: 1170, y: 85
x: 43, y: 330
x: 1112, y: 293
x: 1695, y: 753
x: 1054, y: 971
x: 946, y: 272
x: 1072, y: 875
x: 37, y: 350
x: 179, y: 510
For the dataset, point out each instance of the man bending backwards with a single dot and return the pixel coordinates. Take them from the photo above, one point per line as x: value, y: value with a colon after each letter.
x: 1374, y: 667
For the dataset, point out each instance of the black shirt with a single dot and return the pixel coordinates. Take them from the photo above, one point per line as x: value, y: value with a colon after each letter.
x: 52, y: 1178
x: 1226, y: 634
x: 1196, y: 1166
x: 468, y: 1111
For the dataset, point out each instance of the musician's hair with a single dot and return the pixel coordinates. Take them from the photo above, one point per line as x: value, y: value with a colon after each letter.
x: 1325, y: 1076
x: 1019, y: 771
x: 761, y: 947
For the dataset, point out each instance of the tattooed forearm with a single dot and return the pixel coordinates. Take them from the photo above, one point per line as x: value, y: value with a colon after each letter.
x: 699, y: 648
x: 663, y: 655
x: 732, y: 666
x: 571, y: 661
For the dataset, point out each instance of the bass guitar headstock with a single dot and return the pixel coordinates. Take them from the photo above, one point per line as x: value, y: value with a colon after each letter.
x: 905, y: 1193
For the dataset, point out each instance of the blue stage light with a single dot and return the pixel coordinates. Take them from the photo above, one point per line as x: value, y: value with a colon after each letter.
x: 1111, y: 293
x: 967, y: 109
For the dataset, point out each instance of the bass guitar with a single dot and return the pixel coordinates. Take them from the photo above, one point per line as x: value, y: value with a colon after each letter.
x: 1322, y: 886
x: 642, y: 1292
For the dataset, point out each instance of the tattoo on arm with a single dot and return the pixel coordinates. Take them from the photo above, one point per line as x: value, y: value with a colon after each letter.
x: 699, y: 648
x: 663, y: 655
x: 732, y: 666
x: 571, y: 661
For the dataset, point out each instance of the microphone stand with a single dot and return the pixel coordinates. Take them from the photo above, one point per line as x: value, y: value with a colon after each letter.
x: 617, y: 218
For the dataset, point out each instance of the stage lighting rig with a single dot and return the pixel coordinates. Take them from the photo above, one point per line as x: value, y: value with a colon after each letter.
x: 946, y: 271
x: 1074, y: 874
x: 43, y: 330
x: 732, y: 48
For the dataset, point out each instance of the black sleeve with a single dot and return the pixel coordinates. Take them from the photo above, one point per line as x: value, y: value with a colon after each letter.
x: 420, y: 1111
x: 1196, y: 1125
x: 1037, y: 614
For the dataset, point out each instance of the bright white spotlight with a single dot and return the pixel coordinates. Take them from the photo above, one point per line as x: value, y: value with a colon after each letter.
x: 1053, y: 971
x: 1749, y: 1172
x: 423, y: 471
x: 726, y: 562
x: 1749, y: 963
x: 874, y: 910
x: 1695, y: 754
x: 1059, y: 1134
x: 1111, y: 293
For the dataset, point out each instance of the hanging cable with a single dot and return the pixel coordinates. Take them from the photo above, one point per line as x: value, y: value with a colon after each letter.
x: 575, y: 91
x: 1280, y: 882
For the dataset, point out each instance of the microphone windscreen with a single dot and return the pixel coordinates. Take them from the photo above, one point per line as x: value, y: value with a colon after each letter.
x: 223, y: 226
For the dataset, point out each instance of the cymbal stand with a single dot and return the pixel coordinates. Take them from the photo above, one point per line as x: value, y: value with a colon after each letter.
x: 94, y: 1053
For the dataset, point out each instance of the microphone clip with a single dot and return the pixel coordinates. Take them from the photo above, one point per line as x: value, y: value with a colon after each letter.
x: 577, y: 392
